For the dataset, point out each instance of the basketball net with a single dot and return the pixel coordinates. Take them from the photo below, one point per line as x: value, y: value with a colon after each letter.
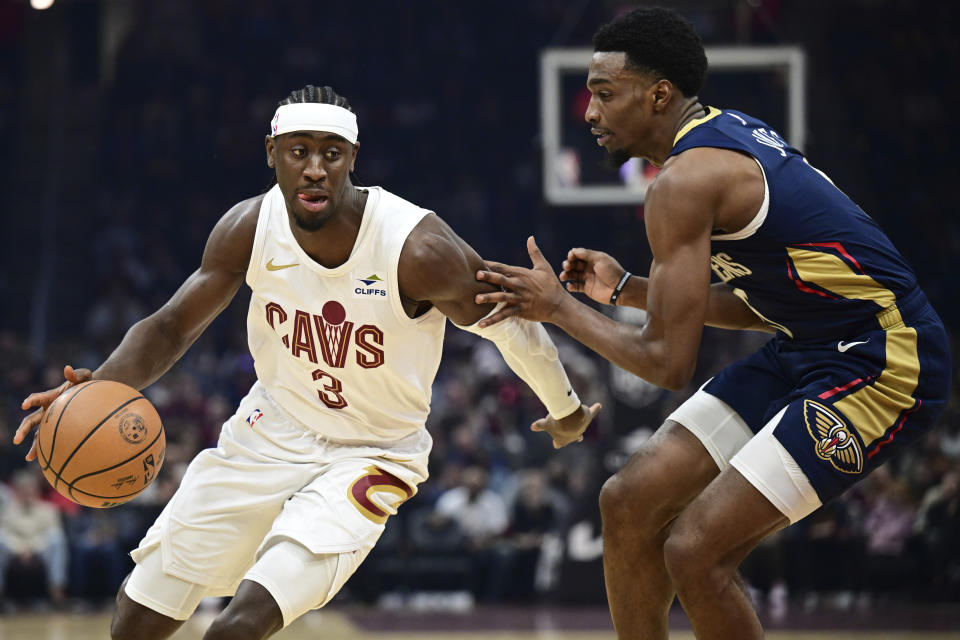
x: 333, y: 333
x: 334, y: 339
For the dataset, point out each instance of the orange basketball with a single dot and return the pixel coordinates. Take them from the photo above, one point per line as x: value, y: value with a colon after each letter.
x: 100, y: 443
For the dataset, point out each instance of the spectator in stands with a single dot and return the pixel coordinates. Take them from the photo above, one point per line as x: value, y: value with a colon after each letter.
x: 938, y: 525
x: 32, y: 543
x: 888, y: 527
x: 97, y: 561
x: 480, y: 512
x: 482, y: 517
x: 534, y: 514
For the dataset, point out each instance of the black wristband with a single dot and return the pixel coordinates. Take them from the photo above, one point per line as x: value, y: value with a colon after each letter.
x: 617, y: 289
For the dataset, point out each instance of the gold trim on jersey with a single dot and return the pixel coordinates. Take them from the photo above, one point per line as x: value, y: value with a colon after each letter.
x: 874, y: 408
x: 740, y: 293
x: 712, y: 112
x: 829, y: 272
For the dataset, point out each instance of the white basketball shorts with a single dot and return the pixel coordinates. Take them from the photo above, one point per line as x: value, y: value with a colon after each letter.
x: 270, y: 481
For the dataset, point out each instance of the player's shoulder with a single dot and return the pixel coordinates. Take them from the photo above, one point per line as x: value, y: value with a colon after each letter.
x: 241, y: 218
x: 393, y: 203
x: 245, y: 212
x: 429, y: 242
x: 232, y: 237
x: 703, y: 171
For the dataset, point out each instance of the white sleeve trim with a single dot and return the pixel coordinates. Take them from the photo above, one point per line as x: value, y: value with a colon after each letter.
x: 528, y: 350
x: 758, y: 219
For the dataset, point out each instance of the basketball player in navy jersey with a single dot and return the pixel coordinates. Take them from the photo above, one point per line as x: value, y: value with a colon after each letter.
x: 351, y: 289
x: 858, y: 368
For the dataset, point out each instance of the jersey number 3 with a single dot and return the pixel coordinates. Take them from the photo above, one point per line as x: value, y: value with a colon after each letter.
x: 330, y: 394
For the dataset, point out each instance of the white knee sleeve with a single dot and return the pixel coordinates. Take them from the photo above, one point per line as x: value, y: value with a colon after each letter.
x: 300, y: 580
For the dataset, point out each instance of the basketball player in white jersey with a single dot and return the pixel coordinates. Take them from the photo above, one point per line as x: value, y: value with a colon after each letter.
x: 351, y: 291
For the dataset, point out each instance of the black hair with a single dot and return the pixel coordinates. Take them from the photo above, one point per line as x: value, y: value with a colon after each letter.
x: 310, y: 93
x: 658, y: 41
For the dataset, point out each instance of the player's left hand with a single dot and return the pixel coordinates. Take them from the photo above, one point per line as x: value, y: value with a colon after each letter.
x: 533, y: 294
x: 41, y: 401
x: 568, y: 429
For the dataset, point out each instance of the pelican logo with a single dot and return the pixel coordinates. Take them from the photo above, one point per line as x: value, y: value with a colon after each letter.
x: 377, y: 494
x: 132, y: 428
x: 835, y: 441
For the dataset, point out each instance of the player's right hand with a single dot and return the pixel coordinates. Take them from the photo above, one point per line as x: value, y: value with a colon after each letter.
x: 570, y: 429
x: 41, y: 401
x: 594, y: 273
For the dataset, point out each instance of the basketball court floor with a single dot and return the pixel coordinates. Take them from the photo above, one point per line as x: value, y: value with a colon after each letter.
x: 508, y: 623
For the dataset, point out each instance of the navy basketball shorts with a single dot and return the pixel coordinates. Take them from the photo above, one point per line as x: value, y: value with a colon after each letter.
x: 804, y: 422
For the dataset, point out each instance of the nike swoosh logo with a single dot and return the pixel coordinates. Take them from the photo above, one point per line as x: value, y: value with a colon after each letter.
x: 277, y: 267
x: 569, y: 392
x: 842, y: 348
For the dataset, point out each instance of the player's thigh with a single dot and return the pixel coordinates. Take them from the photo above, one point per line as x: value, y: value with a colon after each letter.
x: 133, y: 621
x: 660, y: 479
x: 719, y: 527
x: 252, y: 613
x: 151, y: 603
x: 735, y: 404
x: 345, y: 508
x: 296, y: 579
x: 696, y: 443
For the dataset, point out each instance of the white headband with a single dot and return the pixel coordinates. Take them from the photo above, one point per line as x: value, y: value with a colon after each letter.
x: 314, y: 116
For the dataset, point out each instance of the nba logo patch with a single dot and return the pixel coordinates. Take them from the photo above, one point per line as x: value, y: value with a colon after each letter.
x: 253, y: 417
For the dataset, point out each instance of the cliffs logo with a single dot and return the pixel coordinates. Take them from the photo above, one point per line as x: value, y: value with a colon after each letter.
x: 372, y: 285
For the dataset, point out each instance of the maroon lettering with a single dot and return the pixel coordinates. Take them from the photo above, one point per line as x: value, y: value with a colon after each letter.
x: 366, y: 338
x: 330, y: 394
x: 303, y: 337
x: 273, y: 309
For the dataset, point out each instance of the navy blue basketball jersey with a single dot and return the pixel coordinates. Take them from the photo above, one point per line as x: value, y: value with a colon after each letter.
x: 811, y: 263
x: 860, y: 366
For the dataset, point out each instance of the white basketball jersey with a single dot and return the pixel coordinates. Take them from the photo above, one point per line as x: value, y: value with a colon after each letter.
x: 334, y: 347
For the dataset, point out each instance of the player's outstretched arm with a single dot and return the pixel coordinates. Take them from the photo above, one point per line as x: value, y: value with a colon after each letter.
x: 154, y: 344
x: 438, y: 266
x: 679, y: 224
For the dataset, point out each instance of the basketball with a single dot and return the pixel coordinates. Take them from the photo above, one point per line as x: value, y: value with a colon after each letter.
x: 100, y: 443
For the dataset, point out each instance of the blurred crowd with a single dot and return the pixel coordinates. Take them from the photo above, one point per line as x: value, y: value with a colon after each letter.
x: 448, y: 119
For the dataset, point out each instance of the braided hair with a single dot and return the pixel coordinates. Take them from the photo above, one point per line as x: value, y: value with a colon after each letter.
x: 322, y: 95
